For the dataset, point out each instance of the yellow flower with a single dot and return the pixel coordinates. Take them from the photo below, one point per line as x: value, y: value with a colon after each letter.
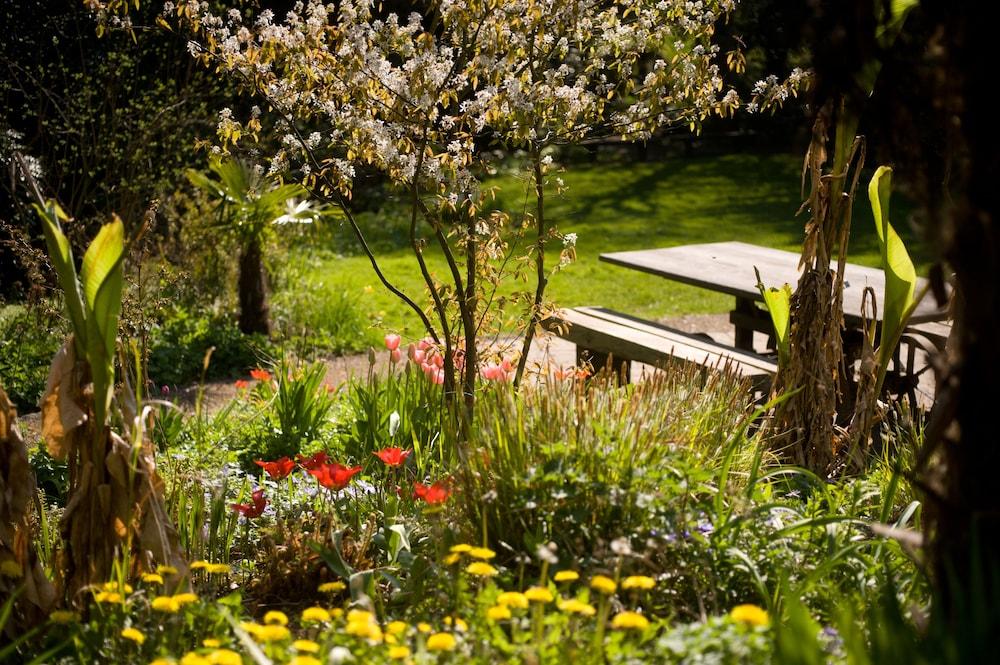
x: 272, y: 633
x: 218, y: 569
x: 225, y: 657
x: 452, y: 559
x: 163, y: 661
x: 368, y: 630
x: 11, y: 568
x: 460, y: 624
x: 360, y: 615
x: 481, y: 553
x: 397, y: 627
x: 424, y: 627
x: 108, y: 597
x: 575, y: 606
x: 512, y: 599
x: 315, y: 614
x: 305, y: 660
x: 498, y: 613
x: 183, y: 599
x: 566, y: 576
x: 336, y: 613
x: 114, y: 586
x: 630, y: 621
x: 481, y: 569
x: 199, y: 565
x: 274, y: 616
x: 638, y: 582
x: 399, y: 653
x: 192, y: 658
x: 538, y: 594
x: 603, y: 584
x: 166, y: 570
x: 63, y: 616
x: 134, y: 635
x: 305, y: 645
x: 251, y: 627
x: 332, y: 587
x: 461, y: 548
x: 166, y: 604
x: 441, y: 642
x: 152, y: 578
x: 750, y: 615
x: 211, y: 643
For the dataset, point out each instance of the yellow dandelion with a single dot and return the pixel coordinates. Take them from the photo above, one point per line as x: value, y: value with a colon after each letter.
x: 566, y: 576
x: 152, y: 578
x: 332, y: 587
x: 225, y: 657
x: 498, y: 613
x: 276, y: 617
x: 211, y: 643
x: 481, y: 569
x: 638, y: 582
x: 461, y: 548
x: 481, y: 553
x: 199, y: 565
x: 63, y: 616
x: 538, y: 594
x: 251, y: 627
x: 307, y: 646
x: 399, y: 653
x: 360, y: 615
x: 390, y: 639
x: 114, y: 586
x: 397, y: 627
x: 750, y: 615
x: 452, y: 559
x: 603, y: 584
x: 166, y: 604
x: 441, y: 642
x: 459, y: 624
x: 218, y: 569
x: 368, y: 630
x: 108, y: 597
x: 273, y: 633
x: 183, y: 599
x: 305, y: 660
x: 134, y: 635
x: 423, y: 627
x: 513, y: 599
x: 166, y: 570
x: 163, y: 661
x: 315, y: 615
x: 630, y: 621
x: 336, y: 613
x: 575, y: 606
x: 192, y: 658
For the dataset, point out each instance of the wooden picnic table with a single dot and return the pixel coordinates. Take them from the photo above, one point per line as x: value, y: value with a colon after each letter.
x: 728, y: 267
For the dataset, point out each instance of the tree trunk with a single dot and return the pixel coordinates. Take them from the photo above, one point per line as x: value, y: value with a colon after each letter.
x: 254, y: 311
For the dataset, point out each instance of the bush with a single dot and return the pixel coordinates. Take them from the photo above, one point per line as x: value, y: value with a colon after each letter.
x: 28, y: 341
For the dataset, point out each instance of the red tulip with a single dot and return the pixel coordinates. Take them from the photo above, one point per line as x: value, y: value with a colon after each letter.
x: 254, y: 509
x: 334, y: 476
x: 278, y: 469
x: 392, y: 456
x: 313, y: 461
x: 434, y: 493
x: 242, y: 384
x: 260, y: 374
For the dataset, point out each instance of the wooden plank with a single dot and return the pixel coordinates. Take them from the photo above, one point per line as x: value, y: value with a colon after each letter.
x: 628, y: 338
x: 728, y: 267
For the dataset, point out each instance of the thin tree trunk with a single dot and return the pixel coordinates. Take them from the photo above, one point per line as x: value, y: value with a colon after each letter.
x: 254, y: 311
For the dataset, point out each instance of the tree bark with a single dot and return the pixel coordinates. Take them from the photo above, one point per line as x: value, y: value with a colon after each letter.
x: 255, y: 316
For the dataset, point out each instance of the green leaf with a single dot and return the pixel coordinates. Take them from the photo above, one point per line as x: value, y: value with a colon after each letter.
x: 779, y: 305
x: 900, y: 275
x: 61, y: 255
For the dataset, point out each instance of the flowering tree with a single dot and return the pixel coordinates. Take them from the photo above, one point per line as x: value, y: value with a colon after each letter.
x: 429, y: 100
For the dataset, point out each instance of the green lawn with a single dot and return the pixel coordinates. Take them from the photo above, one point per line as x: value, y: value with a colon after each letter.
x: 611, y: 207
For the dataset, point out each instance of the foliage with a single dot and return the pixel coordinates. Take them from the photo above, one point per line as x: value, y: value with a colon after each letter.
x: 28, y: 340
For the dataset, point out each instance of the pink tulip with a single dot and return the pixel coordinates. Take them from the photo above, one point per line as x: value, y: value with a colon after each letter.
x: 506, y: 365
x: 439, y: 377
x: 491, y: 372
x: 392, y: 342
x: 416, y: 355
x: 395, y: 356
x: 429, y: 369
x: 425, y: 344
x: 439, y: 361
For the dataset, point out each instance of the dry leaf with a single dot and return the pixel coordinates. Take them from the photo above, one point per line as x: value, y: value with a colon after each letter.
x: 60, y: 412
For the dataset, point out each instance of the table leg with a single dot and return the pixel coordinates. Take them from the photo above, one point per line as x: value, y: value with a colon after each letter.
x: 744, y: 335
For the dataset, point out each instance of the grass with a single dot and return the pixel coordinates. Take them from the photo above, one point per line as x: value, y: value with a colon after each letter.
x: 613, y: 207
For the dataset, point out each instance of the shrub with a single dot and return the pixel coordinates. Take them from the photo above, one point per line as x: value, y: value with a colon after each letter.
x: 28, y: 340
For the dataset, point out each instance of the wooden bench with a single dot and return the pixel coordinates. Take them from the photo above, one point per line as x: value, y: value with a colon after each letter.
x: 602, y: 336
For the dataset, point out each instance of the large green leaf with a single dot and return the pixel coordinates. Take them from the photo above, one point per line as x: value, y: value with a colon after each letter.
x: 102, y: 276
x: 61, y: 255
x: 779, y: 304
